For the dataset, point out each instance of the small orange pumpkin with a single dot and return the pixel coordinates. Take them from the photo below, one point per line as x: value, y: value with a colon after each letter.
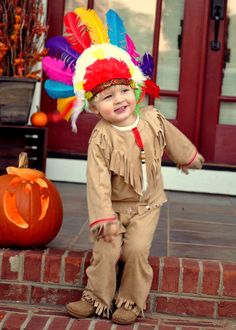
x: 39, y: 119
x: 31, y: 209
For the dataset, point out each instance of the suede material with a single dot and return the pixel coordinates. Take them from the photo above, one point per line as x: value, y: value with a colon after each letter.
x: 114, y: 193
x: 132, y: 245
x: 114, y: 172
x: 124, y: 316
x: 80, y: 309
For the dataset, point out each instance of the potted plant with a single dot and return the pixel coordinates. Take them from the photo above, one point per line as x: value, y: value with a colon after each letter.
x: 22, y: 35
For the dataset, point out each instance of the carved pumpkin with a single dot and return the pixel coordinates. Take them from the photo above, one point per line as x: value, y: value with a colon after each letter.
x: 30, y: 208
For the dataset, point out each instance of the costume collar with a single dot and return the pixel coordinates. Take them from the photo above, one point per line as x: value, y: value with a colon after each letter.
x: 127, y: 128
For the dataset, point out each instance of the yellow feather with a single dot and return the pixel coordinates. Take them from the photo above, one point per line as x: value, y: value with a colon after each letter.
x: 97, y: 30
x: 62, y: 104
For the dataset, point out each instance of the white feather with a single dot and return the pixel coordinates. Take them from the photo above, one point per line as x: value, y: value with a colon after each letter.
x: 77, y: 109
x: 144, y: 177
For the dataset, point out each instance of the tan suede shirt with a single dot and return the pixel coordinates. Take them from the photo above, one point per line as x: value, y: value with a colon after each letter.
x: 114, y: 175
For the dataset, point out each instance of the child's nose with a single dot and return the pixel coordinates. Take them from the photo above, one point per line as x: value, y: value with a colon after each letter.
x: 119, y: 97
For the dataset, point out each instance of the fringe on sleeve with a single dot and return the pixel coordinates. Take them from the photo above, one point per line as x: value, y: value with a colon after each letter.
x: 176, y: 145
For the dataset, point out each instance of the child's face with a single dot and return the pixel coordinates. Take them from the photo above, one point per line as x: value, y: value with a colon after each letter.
x: 116, y: 104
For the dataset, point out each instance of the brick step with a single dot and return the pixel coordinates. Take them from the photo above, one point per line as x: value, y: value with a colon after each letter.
x: 181, y: 286
x: 15, y: 317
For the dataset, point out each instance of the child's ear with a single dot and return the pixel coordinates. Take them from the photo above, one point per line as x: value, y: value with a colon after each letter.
x: 93, y: 108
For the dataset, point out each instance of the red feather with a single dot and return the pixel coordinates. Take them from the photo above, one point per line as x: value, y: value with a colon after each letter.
x: 77, y: 33
x: 151, y: 88
x: 59, y: 116
x: 55, y: 117
x: 96, y: 75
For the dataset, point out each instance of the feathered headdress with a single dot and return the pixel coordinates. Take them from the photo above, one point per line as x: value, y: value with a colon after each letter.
x: 90, y: 57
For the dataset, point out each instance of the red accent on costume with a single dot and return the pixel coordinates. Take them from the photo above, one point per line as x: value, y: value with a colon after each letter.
x: 105, y: 70
x: 138, y: 138
x: 190, y: 162
x: 102, y: 220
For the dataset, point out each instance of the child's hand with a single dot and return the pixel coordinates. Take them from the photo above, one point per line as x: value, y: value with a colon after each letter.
x: 110, y: 232
x: 196, y: 164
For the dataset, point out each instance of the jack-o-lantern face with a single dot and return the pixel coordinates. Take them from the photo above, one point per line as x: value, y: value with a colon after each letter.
x: 24, y: 201
x: 30, y: 208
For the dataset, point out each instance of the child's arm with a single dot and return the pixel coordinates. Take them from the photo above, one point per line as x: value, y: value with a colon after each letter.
x: 180, y: 149
x: 195, y: 164
x: 103, y: 220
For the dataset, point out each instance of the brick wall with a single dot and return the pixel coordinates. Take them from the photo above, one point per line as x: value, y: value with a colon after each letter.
x: 180, y: 286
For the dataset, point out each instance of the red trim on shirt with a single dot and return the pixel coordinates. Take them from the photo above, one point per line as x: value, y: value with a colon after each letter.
x: 102, y: 220
x: 138, y: 138
x: 189, y: 163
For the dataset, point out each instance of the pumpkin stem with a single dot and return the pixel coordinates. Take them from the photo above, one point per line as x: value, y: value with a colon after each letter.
x: 23, y: 160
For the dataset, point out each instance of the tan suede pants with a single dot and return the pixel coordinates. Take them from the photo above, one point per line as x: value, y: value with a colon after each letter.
x: 132, y: 245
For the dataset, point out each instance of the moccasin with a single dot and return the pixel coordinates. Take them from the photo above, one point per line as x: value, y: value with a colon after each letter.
x: 80, y: 309
x: 124, y: 316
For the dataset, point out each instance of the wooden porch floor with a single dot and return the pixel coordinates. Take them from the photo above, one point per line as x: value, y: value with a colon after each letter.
x: 191, y: 225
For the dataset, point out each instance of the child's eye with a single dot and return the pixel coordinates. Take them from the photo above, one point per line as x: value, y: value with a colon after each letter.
x: 107, y: 97
x: 125, y: 90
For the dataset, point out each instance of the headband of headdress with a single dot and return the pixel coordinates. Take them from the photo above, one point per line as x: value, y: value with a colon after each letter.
x: 91, y: 57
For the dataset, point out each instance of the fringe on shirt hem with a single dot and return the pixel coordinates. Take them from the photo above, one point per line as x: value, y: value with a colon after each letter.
x: 101, y: 308
x: 118, y: 162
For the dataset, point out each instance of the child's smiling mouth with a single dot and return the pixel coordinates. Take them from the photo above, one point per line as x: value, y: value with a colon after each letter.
x: 120, y: 109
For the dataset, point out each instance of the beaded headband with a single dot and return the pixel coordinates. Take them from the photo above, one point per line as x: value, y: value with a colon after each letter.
x: 99, y: 88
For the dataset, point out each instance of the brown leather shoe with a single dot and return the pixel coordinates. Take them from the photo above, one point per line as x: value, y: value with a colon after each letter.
x: 124, y: 316
x: 80, y: 309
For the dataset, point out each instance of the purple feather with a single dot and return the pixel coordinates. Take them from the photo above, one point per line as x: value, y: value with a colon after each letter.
x: 60, y: 48
x: 146, y: 65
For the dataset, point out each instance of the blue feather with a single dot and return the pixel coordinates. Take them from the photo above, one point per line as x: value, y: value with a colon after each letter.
x: 116, y: 29
x: 60, y: 48
x: 56, y: 89
x: 146, y: 65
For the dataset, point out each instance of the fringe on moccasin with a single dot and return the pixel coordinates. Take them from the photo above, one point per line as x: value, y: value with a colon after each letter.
x: 101, y: 308
x: 130, y: 305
